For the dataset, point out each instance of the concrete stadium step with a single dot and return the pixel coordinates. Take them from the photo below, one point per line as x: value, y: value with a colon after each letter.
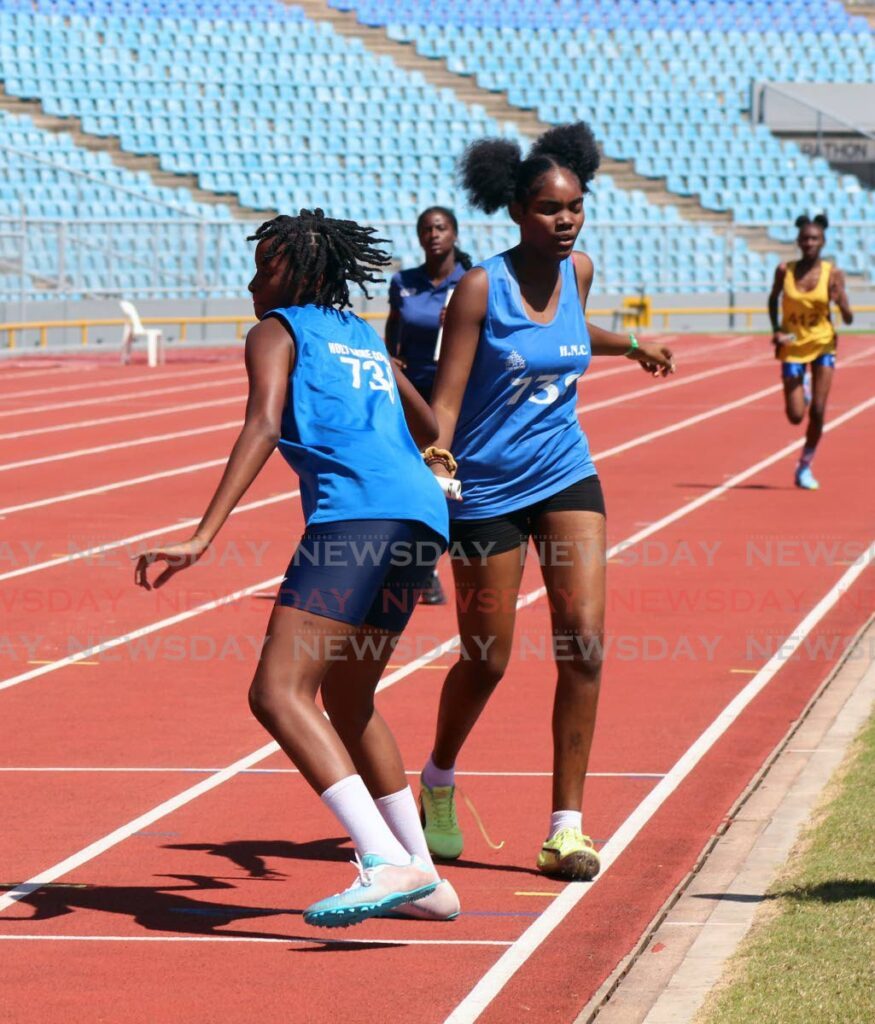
x: 866, y: 10
x: 129, y: 161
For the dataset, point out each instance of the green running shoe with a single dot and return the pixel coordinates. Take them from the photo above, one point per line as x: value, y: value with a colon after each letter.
x: 438, y: 812
x: 569, y: 854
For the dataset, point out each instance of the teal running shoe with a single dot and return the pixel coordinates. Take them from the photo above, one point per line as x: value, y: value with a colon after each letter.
x: 380, y: 887
x: 805, y: 479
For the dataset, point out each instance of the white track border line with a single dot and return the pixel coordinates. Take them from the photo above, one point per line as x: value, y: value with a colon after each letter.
x: 126, y: 396
x: 100, y: 449
x: 662, y: 386
x: 166, y: 410
x: 479, y: 998
x: 85, y: 384
x: 117, y: 485
x: 451, y: 644
x: 608, y: 453
x: 250, y: 760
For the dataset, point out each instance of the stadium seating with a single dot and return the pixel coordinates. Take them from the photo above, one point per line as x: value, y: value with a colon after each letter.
x: 368, y: 140
x: 667, y: 84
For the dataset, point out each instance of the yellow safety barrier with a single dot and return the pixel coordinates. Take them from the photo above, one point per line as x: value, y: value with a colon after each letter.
x: 240, y: 324
x: 636, y: 311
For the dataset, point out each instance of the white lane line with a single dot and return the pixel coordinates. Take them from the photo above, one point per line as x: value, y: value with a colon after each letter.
x: 152, y: 439
x: 87, y: 384
x: 117, y: 485
x: 294, y: 771
x: 168, y: 806
x: 43, y: 372
x: 689, y: 421
x: 98, y: 550
x: 702, y: 416
x: 118, y: 641
x: 126, y: 396
x: 477, y: 1000
x: 671, y: 428
x: 285, y: 941
x: 658, y: 388
x: 167, y: 410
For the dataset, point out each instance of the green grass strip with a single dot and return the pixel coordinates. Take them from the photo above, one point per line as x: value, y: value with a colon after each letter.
x: 810, y: 957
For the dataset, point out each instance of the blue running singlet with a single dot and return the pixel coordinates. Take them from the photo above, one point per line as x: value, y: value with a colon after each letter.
x: 343, y: 428
x: 518, y: 439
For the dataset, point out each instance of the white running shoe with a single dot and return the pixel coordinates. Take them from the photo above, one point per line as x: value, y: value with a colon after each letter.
x: 380, y: 886
x: 441, y: 905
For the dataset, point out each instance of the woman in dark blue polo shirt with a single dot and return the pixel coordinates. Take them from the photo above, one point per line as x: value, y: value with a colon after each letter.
x: 417, y: 299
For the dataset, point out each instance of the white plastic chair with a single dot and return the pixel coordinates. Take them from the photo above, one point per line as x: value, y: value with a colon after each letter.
x: 134, y: 331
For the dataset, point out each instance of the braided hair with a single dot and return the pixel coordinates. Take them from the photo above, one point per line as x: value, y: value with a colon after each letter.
x: 462, y: 258
x: 323, y: 255
x: 494, y: 173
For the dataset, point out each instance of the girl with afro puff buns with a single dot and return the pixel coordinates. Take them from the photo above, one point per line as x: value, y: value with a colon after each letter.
x: 515, y: 343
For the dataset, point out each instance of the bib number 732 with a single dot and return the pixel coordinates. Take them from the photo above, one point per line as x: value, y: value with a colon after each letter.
x: 376, y: 373
x: 542, y: 390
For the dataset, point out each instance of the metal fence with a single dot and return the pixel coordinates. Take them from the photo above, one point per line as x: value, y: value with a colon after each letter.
x: 179, y: 258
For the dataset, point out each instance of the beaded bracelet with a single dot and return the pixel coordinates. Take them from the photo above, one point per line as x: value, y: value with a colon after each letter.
x: 432, y: 454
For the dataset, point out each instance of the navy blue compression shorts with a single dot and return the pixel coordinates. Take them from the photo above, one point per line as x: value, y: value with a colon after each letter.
x: 366, y: 572
x: 790, y: 371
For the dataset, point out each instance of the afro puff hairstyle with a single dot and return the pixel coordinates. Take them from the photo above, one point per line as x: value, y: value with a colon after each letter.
x: 494, y: 173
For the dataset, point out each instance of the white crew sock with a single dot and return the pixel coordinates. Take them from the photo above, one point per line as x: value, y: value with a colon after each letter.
x: 565, y: 819
x: 433, y: 776
x: 401, y: 814
x: 353, y: 806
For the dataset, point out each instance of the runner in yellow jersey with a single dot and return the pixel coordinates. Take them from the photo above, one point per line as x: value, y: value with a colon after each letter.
x: 804, y: 335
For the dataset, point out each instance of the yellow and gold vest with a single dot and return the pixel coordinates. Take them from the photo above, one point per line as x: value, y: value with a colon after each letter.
x: 806, y: 314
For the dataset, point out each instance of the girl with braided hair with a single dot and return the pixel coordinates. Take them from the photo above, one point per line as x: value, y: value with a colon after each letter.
x: 417, y: 304
x: 804, y: 335
x: 515, y: 343
x: 323, y: 390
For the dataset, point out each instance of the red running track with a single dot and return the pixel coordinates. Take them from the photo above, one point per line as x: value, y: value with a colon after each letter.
x: 174, y: 891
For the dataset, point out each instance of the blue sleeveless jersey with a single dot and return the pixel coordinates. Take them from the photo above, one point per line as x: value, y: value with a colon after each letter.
x: 518, y: 439
x: 343, y: 429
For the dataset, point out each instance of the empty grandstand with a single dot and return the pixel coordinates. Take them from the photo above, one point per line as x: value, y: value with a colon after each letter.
x: 272, y: 108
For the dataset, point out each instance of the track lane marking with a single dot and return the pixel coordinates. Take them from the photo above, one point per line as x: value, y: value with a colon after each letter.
x: 89, y: 385
x: 489, y: 986
x: 625, y: 446
x: 118, y: 485
x: 495, y: 979
x: 99, y: 549
x: 117, y: 445
x: 678, y: 382
x: 167, y: 410
x: 125, y: 396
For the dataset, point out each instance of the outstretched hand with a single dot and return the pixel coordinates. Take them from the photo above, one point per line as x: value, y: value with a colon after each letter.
x: 177, y: 557
x: 656, y: 360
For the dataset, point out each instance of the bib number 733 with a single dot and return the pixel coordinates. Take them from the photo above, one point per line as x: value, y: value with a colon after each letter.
x: 376, y: 374
x: 542, y: 390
